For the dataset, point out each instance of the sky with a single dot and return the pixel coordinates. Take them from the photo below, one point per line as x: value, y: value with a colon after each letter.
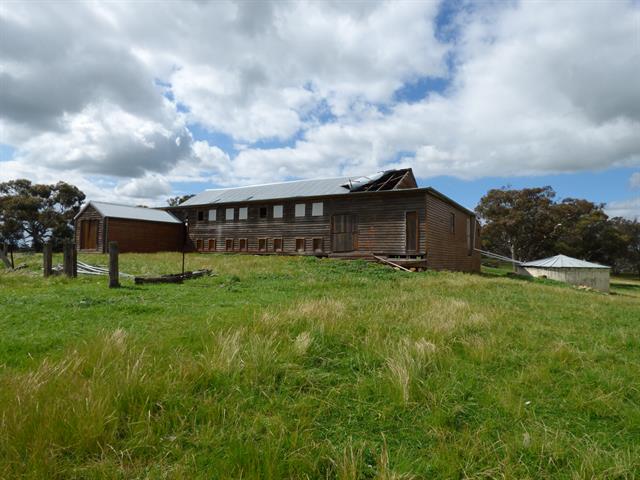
x: 135, y: 102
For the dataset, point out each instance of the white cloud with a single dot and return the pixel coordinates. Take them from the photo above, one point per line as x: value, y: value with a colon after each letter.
x: 150, y: 186
x: 624, y: 208
x: 634, y: 180
x: 106, y: 93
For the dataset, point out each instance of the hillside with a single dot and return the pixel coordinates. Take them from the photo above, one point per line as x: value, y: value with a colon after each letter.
x: 284, y: 367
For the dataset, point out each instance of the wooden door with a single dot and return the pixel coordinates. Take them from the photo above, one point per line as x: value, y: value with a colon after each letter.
x: 89, y: 235
x: 411, y: 236
x: 344, y: 233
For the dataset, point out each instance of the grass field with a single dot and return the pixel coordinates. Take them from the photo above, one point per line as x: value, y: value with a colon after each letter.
x: 285, y: 367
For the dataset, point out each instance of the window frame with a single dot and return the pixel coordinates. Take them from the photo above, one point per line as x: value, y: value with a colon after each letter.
x: 226, y: 244
x: 215, y: 215
x: 246, y: 213
x: 210, y: 242
x: 266, y: 213
x: 281, y: 208
x: 314, y: 209
x: 315, y: 241
x: 233, y: 214
x: 240, y: 246
x: 304, y: 244
x: 273, y: 244
x: 200, y: 215
x: 304, y: 210
x: 265, y: 244
x: 199, y: 245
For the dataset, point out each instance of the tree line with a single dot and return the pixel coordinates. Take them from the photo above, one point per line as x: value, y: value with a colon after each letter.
x: 524, y: 224
x: 529, y: 224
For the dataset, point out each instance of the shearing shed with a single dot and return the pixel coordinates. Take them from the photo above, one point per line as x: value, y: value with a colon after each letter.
x: 384, y: 214
x: 569, y: 270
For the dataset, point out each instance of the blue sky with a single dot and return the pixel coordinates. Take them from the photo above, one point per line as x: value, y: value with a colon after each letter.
x: 141, y: 102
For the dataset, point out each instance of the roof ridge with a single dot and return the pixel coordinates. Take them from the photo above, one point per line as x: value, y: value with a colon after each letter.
x: 286, y: 181
x: 124, y: 205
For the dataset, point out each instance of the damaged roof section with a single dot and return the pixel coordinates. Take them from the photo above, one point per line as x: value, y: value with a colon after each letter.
x: 382, y: 181
x: 388, y: 180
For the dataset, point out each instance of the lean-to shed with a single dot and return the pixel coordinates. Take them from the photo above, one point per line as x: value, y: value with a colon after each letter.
x: 569, y: 270
x: 136, y: 229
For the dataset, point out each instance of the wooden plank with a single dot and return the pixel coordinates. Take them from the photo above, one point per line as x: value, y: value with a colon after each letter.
x: 389, y: 262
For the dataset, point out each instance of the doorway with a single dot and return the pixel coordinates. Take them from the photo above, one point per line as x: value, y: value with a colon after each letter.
x: 89, y: 235
x: 411, y: 233
x: 344, y: 233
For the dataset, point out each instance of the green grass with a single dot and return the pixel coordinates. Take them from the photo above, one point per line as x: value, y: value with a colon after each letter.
x: 284, y: 367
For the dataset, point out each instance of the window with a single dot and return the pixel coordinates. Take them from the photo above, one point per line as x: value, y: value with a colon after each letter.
x: 277, y: 244
x: 300, y: 209
x: 262, y: 212
x: 229, y: 214
x: 243, y: 213
x: 200, y: 215
x: 212, y: 245
x: 243, y: 245
x: 299, y: 244
x: 277, y: 211
x: 228, y: 244
x: 452, y: 223
x: 199, y: 245
x: 262, y: 244
x: 212, y: 215
x: 317, y: 209
x: 317, y: 245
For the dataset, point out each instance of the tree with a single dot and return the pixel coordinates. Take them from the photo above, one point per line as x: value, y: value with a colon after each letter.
x: 518, y: 223
x: 629, y: 258
x: 585, y: 231
x: 175, y: 201
x: 31, y: 214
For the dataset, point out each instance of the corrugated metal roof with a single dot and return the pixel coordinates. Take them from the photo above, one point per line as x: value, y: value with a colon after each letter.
x: 272, y: 191
x: 114, y: 210
x: 562, y: 261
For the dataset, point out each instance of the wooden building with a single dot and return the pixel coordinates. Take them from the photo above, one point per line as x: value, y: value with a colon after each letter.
x: 386, y: 214
x: 136, y: 229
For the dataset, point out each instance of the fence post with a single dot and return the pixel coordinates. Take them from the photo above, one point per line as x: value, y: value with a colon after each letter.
x: 67, y: 258
x: 47, y: 258
x: 74, y: 260
x: 114, y: 281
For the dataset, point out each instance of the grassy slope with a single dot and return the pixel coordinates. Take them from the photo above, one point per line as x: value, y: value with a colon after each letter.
x: 305, y: 368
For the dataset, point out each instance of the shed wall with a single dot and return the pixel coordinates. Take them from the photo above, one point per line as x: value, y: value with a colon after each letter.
x: 90, y: 213
x: 381, y: 224
x: 596, y: 278
x: 143, y: 236
x: 446, y: 250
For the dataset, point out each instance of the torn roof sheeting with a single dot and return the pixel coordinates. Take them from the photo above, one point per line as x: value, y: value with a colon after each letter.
x: 562, y: 261
x: 294, y: 189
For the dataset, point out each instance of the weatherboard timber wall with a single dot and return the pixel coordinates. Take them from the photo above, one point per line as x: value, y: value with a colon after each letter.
x: 144, y: 236
x: 446, y: 250
x: 597, y: 278
x: 381, y: 223
x: 90, y: 213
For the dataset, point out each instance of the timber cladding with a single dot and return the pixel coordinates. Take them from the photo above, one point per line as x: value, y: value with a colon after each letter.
x: 449, y: 230
x: 144, y: 236
x: 90, y: 216
x: 357, y: 224
x: 93, y: 232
